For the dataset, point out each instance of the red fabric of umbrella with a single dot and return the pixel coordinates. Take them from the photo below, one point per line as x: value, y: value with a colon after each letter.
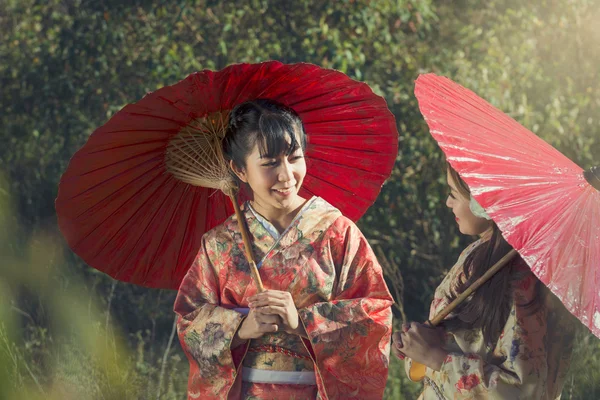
x: 541, y: 201
x: 124, y: 214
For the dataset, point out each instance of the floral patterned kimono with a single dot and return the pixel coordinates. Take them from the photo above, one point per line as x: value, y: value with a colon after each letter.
x: 323, y: 260
x: 529, y: 361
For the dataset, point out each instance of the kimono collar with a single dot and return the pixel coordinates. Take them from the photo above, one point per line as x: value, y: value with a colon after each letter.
x: 269, y: 226
x: 314, y: 218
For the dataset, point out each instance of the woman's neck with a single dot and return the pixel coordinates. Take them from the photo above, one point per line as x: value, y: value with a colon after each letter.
x: 279, y: 218
x: 486, y: 235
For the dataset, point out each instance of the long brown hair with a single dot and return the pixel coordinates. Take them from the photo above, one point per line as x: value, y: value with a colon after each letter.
x: 489, y: 306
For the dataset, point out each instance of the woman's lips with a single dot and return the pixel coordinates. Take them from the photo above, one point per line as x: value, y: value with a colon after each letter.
x: 284, y: 192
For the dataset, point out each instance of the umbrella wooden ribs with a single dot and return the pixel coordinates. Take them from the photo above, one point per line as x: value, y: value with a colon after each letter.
x: 195, y: 156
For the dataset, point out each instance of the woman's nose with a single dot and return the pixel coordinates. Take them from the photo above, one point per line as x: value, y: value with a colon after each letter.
x: 285, y: 173
x: 449, y: 202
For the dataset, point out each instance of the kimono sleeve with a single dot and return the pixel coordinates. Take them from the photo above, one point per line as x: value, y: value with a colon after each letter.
x: 206, y: 331
x: 350, y: 335
x: 523, y: 357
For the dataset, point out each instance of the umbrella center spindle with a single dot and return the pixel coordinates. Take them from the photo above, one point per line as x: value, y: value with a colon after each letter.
x: 195, y: 156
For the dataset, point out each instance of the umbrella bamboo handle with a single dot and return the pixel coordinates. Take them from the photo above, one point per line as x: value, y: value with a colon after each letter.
x: 247, y: 247
x: 416, y: 371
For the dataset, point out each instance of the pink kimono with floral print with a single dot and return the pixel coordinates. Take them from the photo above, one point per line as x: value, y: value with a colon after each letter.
x: 529, y: 361
x: 324, y: 261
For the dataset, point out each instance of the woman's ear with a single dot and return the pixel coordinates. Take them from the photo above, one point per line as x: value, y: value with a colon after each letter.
x: 240, y: 173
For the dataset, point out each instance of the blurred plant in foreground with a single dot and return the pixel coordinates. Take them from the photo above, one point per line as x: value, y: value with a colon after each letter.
x: 55, y: 340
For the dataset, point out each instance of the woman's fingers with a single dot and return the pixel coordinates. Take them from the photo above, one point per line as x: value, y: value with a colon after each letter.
x: 277, y: 303
x: 430, y: 333
x: 397, y: 340
x: 278, y: 310
x: 398, y: 353
x: 267, y: 301
x: 406, y: 339
x: 271, y: 294
x: 264, y: 318
x: 267, y: 328
x: 268, y: 293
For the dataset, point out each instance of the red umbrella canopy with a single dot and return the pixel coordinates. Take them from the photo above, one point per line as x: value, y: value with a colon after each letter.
x: 541, y: 201
x: 124, y: 214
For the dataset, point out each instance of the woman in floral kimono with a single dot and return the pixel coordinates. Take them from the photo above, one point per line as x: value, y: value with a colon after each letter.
x: 322, y: 328
x: 511, y: 339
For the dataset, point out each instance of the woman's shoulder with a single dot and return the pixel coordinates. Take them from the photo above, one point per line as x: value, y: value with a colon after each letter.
x: 326, y: 222
x: 221, y: 232
x: 455, y: 275
x: 470, y: 248
x: 319, y: 214
x: 339, y: 224
x: 320, y: 207
x: 458, y: 265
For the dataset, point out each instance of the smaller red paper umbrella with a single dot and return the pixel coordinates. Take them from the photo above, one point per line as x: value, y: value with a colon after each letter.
x: 546, y: 206
x: 123, y: 210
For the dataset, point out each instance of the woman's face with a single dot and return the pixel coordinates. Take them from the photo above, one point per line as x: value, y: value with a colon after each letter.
x: 275, y: 182
x: 468, y: 223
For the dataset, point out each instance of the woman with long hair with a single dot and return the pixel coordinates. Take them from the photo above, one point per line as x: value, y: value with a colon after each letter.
x: 322, y: 328
x: 511, y: 339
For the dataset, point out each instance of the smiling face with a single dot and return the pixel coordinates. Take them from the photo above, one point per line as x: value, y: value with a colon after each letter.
x: 264, y: 144
x: 274, y: 180
x: 458, y: 201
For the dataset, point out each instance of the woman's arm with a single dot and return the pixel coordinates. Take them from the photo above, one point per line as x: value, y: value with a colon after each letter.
x: 520, y: 366
x: 206, y: 330
x: 350, y: 335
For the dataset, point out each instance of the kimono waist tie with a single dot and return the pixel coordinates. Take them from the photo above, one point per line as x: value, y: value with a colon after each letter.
x: 276, y: 360
x: 278, y: 377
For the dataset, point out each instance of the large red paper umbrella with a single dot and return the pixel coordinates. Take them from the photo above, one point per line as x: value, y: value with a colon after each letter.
x: 125, y: 213
x: 546, y: 206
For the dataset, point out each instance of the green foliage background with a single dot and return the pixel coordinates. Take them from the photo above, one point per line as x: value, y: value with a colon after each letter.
x: 66, y: 66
